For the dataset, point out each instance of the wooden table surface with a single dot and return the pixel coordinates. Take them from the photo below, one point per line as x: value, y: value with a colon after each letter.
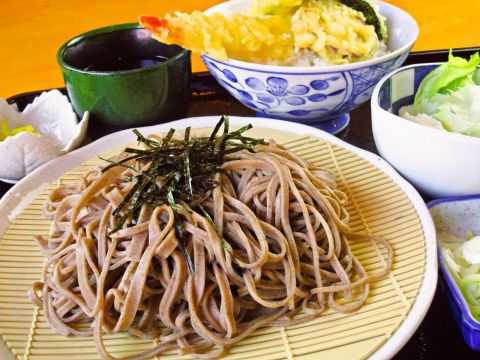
x: 32, y: 31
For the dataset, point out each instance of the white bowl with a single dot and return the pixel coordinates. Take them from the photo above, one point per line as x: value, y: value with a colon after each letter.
x: 438, y: 163
x: 315, y: 95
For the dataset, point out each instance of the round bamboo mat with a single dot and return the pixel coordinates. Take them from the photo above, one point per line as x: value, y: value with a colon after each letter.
x: 376, y: 204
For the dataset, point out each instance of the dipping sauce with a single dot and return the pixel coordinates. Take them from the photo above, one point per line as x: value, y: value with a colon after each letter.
x: 120, y: 63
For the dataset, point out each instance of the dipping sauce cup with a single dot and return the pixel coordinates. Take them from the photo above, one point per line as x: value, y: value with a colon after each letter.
x: 124, y: 78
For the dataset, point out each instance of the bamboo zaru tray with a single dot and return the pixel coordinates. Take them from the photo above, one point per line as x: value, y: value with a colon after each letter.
x: 380, y: 202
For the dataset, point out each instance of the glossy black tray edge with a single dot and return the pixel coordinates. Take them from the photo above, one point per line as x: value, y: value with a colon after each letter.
x: 418, y: 57
x: 203, y: 84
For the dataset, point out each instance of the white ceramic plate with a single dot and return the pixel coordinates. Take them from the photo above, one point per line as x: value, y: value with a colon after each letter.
x: 25, y: 190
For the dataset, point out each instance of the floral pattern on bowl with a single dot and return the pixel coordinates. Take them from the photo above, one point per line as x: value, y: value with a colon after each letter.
x: 308, y: 96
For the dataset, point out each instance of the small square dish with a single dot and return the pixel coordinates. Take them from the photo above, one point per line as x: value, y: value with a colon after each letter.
x: 457, y: 217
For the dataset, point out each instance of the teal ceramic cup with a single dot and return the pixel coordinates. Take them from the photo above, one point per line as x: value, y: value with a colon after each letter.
x: 124, y: 77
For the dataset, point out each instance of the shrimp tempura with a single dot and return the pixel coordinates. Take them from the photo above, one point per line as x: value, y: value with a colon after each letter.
x: 240, y: 36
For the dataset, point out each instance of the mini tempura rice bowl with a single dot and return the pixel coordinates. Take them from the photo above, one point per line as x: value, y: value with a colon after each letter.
x: 316, y: 95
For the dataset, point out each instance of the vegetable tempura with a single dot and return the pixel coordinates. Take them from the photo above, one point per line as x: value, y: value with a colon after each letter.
x: 279, y: 32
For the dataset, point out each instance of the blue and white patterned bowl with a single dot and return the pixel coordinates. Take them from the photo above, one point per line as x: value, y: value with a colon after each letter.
x: 316, y: 95
x: 438, y: 163
x: 458, y: 216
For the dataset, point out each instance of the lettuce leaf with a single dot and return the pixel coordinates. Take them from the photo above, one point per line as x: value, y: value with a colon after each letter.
x: 451, y: 95
x: 448, y: 77
x: 460, y: 111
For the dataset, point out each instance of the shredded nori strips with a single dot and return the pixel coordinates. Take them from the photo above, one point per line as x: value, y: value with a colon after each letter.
x: 179, y: 170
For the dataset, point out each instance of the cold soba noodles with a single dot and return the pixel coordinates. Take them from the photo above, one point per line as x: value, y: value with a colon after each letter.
x: 196, y: 242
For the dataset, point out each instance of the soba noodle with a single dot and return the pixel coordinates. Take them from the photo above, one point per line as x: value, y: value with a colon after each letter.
x: 288, y: 257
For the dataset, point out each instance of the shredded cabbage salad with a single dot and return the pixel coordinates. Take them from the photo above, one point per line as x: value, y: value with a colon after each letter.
x: 449, y: 97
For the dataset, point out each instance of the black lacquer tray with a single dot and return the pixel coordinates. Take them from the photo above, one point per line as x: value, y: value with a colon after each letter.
x: 438, y: 337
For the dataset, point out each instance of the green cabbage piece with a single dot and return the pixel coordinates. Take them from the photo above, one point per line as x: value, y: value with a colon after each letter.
x: 460, y: 111
x: 451, y: 95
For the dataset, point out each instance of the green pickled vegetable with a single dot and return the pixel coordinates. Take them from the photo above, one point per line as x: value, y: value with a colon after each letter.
x: 6, y: 132
x: 470, y: 286
x: 461, y: 258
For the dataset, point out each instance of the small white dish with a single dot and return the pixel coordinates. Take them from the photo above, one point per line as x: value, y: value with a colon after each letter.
x: 458, y: 216
x: 58, y: 132
x: 438, y: 163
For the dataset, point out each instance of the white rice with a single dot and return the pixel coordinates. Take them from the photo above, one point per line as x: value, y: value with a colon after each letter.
x: 305, y: 57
